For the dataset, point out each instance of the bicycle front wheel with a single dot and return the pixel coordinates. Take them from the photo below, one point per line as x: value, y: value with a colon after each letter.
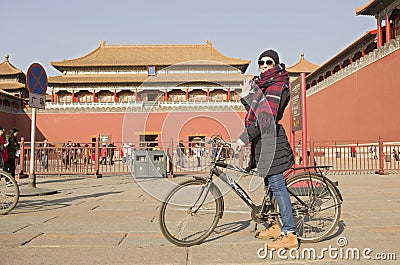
x: 191, y: 212
x: 9, y: 192
x: 316, y: 206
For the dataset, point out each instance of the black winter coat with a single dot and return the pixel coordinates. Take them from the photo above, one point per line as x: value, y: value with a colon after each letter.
x: 273, y: 154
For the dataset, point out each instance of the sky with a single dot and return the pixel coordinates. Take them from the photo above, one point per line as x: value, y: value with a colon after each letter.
x: 44, y: 31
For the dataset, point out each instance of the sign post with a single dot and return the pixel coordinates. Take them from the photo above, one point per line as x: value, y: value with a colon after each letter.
x: 299, y: 116
x: 36, y: 80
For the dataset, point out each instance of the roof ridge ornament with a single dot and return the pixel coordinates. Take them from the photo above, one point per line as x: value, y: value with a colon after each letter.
x: 102, y: 43
x: 208, y: 43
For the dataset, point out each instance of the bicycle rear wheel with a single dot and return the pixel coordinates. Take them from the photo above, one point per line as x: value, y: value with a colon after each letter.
x: 9, y: 192
x: 316, y: 206
x: 191, y: 212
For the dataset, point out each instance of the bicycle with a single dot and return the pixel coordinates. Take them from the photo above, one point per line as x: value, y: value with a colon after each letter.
x: 191, y: 211
x: 9, y: 192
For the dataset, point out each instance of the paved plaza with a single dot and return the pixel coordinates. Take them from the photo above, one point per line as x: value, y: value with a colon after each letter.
x: 112, y: 220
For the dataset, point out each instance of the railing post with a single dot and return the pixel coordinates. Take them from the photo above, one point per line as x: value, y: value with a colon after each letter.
x: 97, y: 158
x: 312, y: 160
x: 21, y: 173
x: 381, y: 170
x: 170, y: 159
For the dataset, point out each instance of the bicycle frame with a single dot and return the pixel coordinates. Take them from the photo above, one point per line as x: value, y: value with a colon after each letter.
x: 233, y: 184
x: 266, y: 200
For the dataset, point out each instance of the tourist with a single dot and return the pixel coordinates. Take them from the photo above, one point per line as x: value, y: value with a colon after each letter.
x: 12, y: 148
x: 267, y: 95
x: 181, y: 153
x: 3, y: 150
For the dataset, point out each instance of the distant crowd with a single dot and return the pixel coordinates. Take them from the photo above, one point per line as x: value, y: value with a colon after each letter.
x: 9, y: 149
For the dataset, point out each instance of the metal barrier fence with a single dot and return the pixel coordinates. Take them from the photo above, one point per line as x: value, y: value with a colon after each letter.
x: 98, y: 158
x: 367, y: 156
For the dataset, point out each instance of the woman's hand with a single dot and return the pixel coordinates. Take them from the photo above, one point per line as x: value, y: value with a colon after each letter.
x: 246, y: 87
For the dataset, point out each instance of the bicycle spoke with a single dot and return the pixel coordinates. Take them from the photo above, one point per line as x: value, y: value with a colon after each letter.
x: 9, y: 193
x: 186, y: 218
x: 316, y: 206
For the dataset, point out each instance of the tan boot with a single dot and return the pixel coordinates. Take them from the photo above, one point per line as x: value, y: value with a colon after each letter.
x: 272, y: 232
x: 288, y: 241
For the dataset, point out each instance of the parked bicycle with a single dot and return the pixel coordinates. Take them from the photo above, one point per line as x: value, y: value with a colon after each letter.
x: 191, y: 211
x: 9, y: 192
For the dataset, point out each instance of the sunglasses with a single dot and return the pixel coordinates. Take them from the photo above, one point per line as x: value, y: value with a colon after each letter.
x: 267, y: 62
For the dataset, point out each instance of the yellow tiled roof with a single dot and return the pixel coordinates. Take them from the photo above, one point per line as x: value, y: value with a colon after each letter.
x: 146, y: 55
x: 302, y: 66
x: 363, y: 8
x: 8, y: 94
x: 6, y: 68
x: 7, y: 85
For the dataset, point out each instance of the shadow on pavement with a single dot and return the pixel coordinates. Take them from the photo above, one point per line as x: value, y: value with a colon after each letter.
x: 227, y: 229
x: 48, y: 181
x: 27, y: 206
x: 339, y: 231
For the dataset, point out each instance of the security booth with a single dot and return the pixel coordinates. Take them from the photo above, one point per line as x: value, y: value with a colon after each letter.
x: 150, y: 164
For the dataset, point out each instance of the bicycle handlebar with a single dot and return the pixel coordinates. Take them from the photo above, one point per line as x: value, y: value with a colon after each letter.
x: 221, y: 164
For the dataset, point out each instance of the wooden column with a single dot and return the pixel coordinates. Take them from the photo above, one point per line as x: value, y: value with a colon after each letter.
x: 228, y: 96
x: 388, y: 37
x: 187, y: 94
x: 380, y: 31
x: 94, y: 96
x: 115, y: 96
x: 303, y: 118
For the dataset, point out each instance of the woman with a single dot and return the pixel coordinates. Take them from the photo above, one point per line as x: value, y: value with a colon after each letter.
x: 265, y: 98
x: 12, y: 149
x: 3, y: 150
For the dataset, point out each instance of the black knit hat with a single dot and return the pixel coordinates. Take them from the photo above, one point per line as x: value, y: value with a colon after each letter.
x: 272, y: 54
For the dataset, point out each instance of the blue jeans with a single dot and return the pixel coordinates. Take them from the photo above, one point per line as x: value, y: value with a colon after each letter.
x: 279, y: 190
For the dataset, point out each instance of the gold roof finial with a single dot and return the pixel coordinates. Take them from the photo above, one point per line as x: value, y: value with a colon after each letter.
x: 302, y: 56
x: 7, y: 57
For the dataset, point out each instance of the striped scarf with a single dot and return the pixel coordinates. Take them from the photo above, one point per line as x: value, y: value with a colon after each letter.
x: 266, y: 97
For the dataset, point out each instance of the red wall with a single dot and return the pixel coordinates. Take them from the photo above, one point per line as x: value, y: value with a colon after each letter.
x: 7, y: 120
x: 362, y: 106
x: 81, y: 127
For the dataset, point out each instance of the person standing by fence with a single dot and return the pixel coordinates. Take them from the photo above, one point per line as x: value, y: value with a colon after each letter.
x: 3, y: 150
x: 12, y: 149
x: 180, y: 152
x: 103, y: 154
x: 45, y: 155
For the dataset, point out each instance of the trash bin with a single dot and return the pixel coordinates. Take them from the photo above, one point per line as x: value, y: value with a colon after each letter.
x: 150, y: 164
x: 141, y: 164
x: 158, y: 164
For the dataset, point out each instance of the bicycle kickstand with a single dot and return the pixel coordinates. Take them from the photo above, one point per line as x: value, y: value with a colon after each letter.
x: 255, y: 228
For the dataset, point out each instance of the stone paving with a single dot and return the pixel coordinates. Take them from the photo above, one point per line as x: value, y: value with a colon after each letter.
x: 112, y: 220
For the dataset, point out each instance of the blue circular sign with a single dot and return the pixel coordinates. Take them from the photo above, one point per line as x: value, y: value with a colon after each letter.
x: 36, y: 79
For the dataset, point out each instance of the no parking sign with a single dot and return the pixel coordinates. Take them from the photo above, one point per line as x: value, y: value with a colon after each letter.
x: 36, y: 80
